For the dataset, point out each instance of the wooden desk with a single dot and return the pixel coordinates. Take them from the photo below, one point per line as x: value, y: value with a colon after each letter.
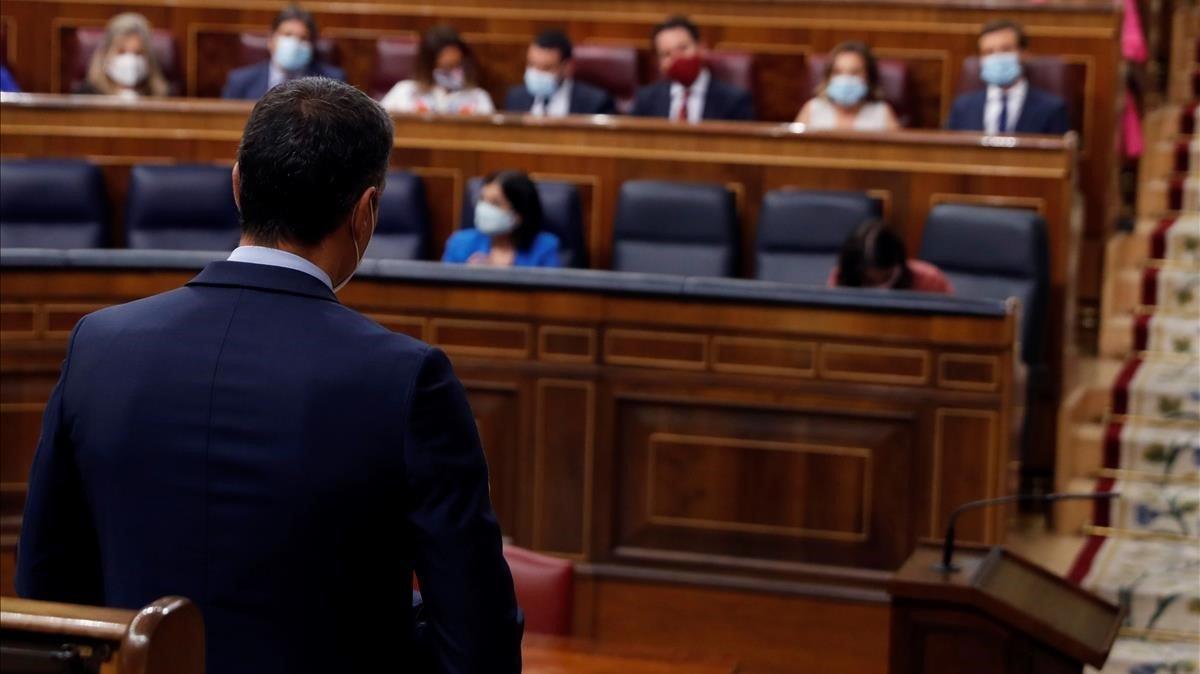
x: 779, y: 458
x: 909, y: 172
x: 934, y: 37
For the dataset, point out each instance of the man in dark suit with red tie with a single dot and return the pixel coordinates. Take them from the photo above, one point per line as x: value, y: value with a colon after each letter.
x: 282, y: 460
x: 689, y: 93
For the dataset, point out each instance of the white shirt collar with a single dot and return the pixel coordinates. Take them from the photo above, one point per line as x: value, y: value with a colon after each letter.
x: 559, y: 103
x: 1015, y: 91
x: 698, y: 88
x: 274, y: 257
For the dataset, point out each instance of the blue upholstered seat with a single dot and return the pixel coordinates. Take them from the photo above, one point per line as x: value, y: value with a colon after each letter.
x: 994, y: 253
x: 403, y: 230
x: 52, y: 203
x: 800, y: 232
x: 181, y: 207
x: 680, y: 228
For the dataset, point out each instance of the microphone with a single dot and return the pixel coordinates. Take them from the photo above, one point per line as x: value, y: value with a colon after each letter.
x: 947, y: 566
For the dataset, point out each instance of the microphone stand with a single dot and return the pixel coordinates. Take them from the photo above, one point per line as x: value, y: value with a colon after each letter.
x: 947, y: 566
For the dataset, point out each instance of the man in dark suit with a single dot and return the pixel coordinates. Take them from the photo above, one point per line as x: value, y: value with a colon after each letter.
x: 293, y: 34
x: 550, y: 90
x: 1008, y: 104
x: 689, y: 93
x: 248, y: 442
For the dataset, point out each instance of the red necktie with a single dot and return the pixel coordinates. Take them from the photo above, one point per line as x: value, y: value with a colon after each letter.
x: 683, y: 105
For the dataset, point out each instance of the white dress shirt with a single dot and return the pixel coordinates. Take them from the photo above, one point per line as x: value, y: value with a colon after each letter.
x: 408, y: 96
x: 991, y: 109
x: 279, y: 258
x: 695, y: 101
x: 559, y: 104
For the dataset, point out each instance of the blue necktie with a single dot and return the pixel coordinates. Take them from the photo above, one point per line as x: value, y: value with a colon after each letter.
x: 1002, y: 127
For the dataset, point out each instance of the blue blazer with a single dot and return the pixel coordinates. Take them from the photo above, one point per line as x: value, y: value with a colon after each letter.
x: 250, y: 82
x: 585, y: 100
x: 1042, y: 112
x: 722, y: 101
x: 248, y: 442
x: 464, y: 243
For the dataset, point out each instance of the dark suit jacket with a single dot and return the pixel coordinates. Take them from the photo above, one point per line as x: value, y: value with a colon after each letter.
x: 585, y: 100
x: 248, y: 442
x: 722, y: 101
x: 250, y: 82
x: 1042, y: 112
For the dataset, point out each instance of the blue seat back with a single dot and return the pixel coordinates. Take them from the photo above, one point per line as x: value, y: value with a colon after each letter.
x: 403, y: 230
x: 801, y: 232
x: 681, y: 228
x: 994, y: 253
x: 52, y: 203
x: 182, y: 207
x: 562, y: 215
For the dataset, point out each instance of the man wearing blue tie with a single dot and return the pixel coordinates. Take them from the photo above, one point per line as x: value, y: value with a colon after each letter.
x: 282, y: 460
x: 1009, y: 104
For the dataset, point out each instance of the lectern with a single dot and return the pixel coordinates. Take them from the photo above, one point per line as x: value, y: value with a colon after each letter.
x: 998, y: 614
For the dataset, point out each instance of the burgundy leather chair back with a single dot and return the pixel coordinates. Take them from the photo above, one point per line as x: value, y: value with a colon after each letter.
x: 894, y: 77
x: 733, y: 67
x: 614, y: 69
x: 252, y: 48
x: 1048, y: 73
x: 545, y: 586
x: 395, y: 58
x: 87, y: 39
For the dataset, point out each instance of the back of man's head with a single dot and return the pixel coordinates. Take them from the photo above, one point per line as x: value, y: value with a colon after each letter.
x: 309, y: 150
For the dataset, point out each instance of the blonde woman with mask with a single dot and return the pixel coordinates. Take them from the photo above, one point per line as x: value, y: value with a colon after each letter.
x: 124, y: 65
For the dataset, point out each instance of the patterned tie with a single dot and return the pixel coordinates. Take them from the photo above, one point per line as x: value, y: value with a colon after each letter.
x: 683, y: 105
x: 1002, y: 127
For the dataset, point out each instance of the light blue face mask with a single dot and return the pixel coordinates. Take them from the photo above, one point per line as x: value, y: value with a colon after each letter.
x: 492, y: 220
x: 1001, y: 69
x: 540, y: 83
x: 291, y: 54
x: 846, y: 90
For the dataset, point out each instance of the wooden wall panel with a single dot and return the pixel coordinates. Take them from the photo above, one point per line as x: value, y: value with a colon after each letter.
x: 790, y: 485
x: 563, y: 456
x: 497, y: 408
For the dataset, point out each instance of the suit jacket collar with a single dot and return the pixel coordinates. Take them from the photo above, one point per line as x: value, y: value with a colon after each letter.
x: 262, y: 277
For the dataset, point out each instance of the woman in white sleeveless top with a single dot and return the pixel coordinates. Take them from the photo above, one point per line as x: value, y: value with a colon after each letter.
x: 444, y: 79
x: 850, y: 97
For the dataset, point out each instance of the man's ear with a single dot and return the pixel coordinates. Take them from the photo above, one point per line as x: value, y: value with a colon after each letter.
x: 365, y: 213
x: 237, y: 187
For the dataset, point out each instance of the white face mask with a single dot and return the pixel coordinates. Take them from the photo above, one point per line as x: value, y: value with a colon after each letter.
x: 126, y: 70
x: 357, y: 257
x: 492, y: 220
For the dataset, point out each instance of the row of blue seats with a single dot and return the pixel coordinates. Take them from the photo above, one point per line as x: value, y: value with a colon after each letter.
x: 688, y: 229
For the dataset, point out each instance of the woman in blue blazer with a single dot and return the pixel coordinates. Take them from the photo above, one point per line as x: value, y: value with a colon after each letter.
x: 508, y: 227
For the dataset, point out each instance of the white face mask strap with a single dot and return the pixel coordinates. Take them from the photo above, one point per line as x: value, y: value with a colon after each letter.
x: 357, y: 260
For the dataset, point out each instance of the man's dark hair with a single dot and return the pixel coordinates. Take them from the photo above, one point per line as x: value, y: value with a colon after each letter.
x: 296, y: 13
x: 677, y: 21
x: 310, y: 148
x: 522, y: 195
x: 556, y: 40
x: 872, y: 245
x: 997, y: 25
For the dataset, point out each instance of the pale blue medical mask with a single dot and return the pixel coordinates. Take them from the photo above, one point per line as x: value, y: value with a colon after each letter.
x: 1000, y: 69
x: 492, y: 220
x: 540, y: 83
x: 291, y: 53
x: 846, y: 90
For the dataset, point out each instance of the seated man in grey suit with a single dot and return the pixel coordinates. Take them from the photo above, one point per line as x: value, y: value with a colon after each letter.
x: 549, y: 89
